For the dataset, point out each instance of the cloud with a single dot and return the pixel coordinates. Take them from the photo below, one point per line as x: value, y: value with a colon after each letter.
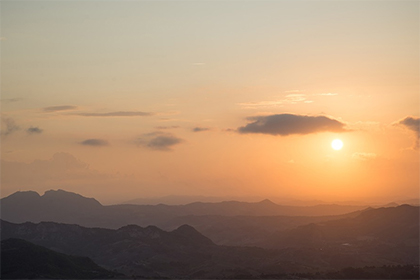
x: 94, y: 142
x: 290, y: 99
x: 364, y: 156
x: 294, y: 90
x: 59, y: 108
x: 167, y: 127
x: 286, y: 124
x: 117, y: 114
x: 413, y: 124
x: 10, y: 100
x: 327, y: 94
x: 159, y: 141
x: 9, y: 126
x: 34, y: 130
x: 199, y: 129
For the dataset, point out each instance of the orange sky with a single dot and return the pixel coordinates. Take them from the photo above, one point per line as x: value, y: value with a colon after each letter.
x: 118, y: 100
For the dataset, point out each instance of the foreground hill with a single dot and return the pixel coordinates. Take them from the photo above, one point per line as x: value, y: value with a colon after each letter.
x: 226, y: 223
x: 132, y: 250
x: 21, y: 259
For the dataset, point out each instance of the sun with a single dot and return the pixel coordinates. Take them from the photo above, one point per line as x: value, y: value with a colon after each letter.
x: 337, y: 144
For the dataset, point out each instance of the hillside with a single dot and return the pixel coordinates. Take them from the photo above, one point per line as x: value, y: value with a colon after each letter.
x: 22, y: 259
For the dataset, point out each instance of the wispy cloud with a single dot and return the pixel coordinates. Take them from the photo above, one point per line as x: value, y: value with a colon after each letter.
x: 289, y: 99
x: 158, y: 141
x: 293, y: 91
x: 9, y: 126
x: 327, y: 94
x: 200, y: 129
x: 94, y: 142
x: 117, y: 114
x: 10, y: 100
x: 59, y: 108
x: 286, y: 124
x: 167, y: 127
x: 34, y: 130
x: 364, y: 156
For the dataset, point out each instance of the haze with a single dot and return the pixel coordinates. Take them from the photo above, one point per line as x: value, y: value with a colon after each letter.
x: 130, y: 99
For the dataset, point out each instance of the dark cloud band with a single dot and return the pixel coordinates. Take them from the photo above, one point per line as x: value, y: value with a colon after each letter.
x: 95, y: 142
x: 159, y: 141
x: 286, y: 124
x: 59, y: 108
x: 200, y: 129
x: 117, y: 114
x: 34, y: 130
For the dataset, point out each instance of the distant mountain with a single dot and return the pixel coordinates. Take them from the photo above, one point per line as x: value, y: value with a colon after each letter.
x: 21, y: 259
x: 52, y: 206
x: 226, y: 223
x: 392, y: 224
x: 62, y: 206
x: 185, y: 199
x: 374, y: 237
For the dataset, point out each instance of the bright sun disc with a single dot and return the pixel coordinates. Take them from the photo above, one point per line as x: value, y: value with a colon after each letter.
x: 337, y: 144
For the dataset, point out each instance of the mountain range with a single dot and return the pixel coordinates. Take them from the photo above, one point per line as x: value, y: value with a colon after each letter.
x: 266, y: 244
x: 226, y: 223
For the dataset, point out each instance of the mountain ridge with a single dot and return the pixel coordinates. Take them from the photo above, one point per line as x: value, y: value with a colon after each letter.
x: 357, y: 241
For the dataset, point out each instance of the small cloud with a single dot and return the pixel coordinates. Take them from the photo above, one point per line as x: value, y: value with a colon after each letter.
x: 34, y: 130
x: 11, y: 100
x: 9, y: 126
x: 327, y: 94
x: 286, y: 124
x: 159, y: 141
x: 294, y: 90
x: 117, y: 114
x: 364, y: 156
x: 199, y: 129
x: 167, y: 127
x: 95, y: 142
x: 413, y: 124
x: 290, y: 99
x: 59, y: 108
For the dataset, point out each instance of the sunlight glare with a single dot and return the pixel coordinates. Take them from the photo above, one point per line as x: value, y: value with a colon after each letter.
x: 337, y: 144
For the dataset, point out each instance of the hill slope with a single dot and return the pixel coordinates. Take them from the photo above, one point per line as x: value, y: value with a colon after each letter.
x: 22, y: 259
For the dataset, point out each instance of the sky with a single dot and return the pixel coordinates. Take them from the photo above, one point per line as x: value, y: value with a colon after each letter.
x: 126, y: 99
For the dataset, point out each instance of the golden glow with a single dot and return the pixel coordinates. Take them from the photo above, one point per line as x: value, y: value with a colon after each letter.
x: 337, y: 144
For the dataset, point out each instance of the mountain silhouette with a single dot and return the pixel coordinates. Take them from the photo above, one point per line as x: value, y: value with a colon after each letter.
x: 68, y: 207
x: 56, y: 205
x: 118, y: 249
x: 22, y: 259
